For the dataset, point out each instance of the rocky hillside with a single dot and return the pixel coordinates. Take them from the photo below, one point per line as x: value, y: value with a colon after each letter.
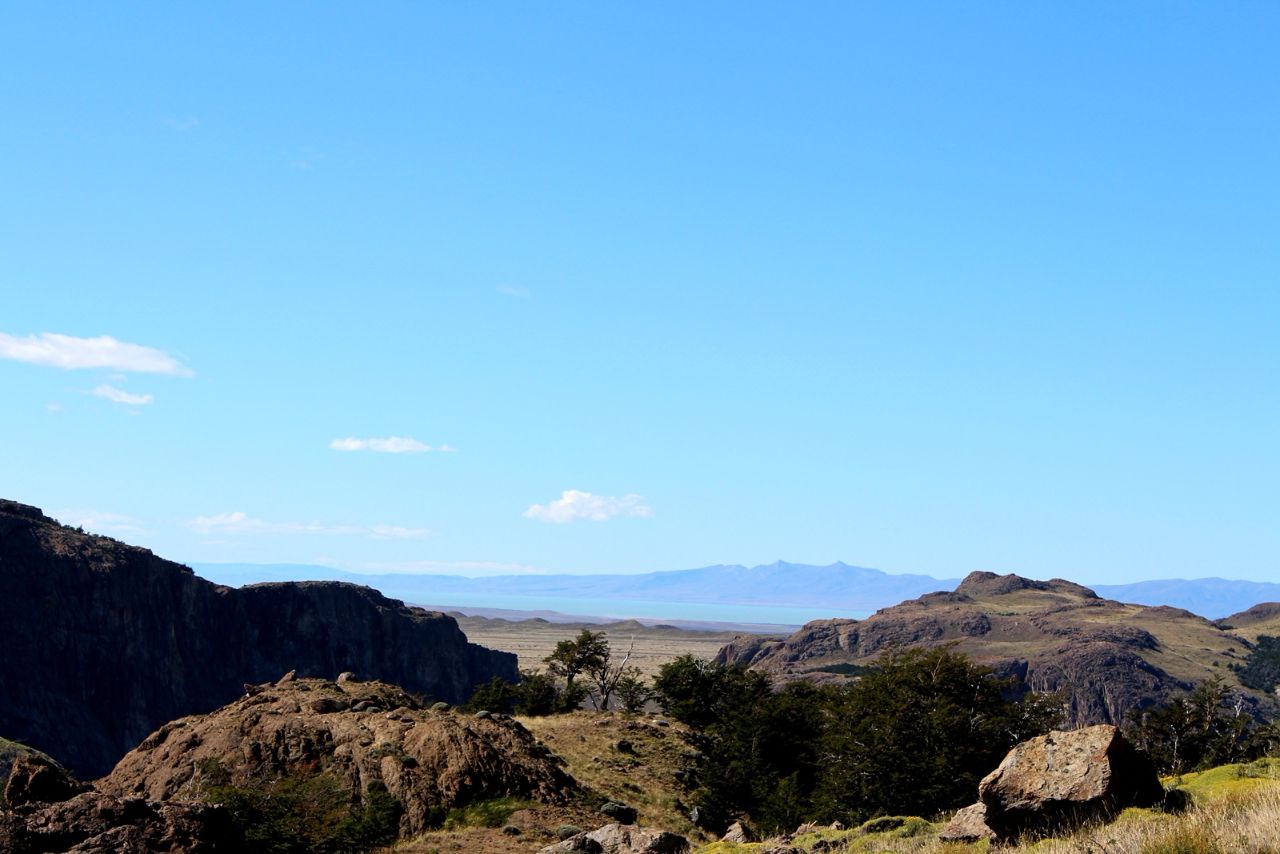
x: 360, y: 734
x: 104, y: 642
x: 1263, y: 619
x: 1105, y: 656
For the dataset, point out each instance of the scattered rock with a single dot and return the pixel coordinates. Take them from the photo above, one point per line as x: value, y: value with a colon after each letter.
x: 345, y: 677
x: 622, y: 745
x: 287, y: 678
x: 440, y: 707
x: 329, y: 705
x: 968, y: 825
x: 621, y: 839
x: 36, y: 779
x: 94, y: 823
x: 619, y: 812
x: 566, y: 831
x: 252, y: 690
x: 511, y: 830
x: 482, y: 714
x: 738, y: 832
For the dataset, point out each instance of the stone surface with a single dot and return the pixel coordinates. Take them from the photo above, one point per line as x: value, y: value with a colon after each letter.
x: 738, y: 832
x: 1059, y: 781
x: 37, y: 779
x: 1067, y: 778
x: 968, y: 825
x: 94, y: 823
x: 428, y: 760
x: 620, y: 813
x: 104, y: 642
x: 621, y: 839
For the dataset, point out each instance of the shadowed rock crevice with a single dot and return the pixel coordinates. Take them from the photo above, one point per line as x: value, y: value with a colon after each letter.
x: 104, y: 642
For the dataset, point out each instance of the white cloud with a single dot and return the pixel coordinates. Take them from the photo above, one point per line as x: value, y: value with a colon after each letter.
x: 573, y: 504
x: 389, y: 445
x: 239, y: 522
x: 115, y: 395
x: 104, y: 352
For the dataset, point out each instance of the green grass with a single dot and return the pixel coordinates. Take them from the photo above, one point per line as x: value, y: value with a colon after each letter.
x: 1228, y: 780
x: 492, y: 813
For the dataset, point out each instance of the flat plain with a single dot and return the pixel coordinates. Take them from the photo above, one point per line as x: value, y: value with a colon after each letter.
x: 532, y: 640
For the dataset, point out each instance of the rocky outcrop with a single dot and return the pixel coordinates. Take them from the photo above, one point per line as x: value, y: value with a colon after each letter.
x: 621, y: 839
x: 104, y: 642
x: 361, y: 734
x: 1059, y: 781
x: 49, y: 811
x: 1105, y: 657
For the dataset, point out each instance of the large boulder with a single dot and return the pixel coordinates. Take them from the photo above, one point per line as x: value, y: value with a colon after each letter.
x: 37, y: 779
x: 621, y: 839
x: 1060, y: 780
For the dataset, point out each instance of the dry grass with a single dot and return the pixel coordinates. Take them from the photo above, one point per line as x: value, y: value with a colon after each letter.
x: 1236, y: 810
x: 533, y: 640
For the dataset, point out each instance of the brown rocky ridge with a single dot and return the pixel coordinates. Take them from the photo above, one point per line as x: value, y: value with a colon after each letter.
x: 357, y: 733
x: 104, y: 642
x: 1105, y: 657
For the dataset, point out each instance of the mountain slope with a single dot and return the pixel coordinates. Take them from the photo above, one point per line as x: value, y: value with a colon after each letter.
x: 103, y: 642
x: 1106, y: 657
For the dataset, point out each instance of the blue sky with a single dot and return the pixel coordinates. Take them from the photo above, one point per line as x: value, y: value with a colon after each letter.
x: 925, y: 287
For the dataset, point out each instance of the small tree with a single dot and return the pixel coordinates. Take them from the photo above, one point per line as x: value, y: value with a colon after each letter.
x: 633, y: 692
x: 587, y: 652
x: 605, y: 674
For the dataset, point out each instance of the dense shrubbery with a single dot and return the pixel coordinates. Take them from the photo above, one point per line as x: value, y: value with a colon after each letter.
x: 914, y: 734
x: 303, y: 813
x: 1207, y: 727
x: 1261, y: 670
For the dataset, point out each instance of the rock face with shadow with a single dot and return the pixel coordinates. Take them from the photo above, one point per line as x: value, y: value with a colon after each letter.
x: 103, y: 642
x: 1105, y: 657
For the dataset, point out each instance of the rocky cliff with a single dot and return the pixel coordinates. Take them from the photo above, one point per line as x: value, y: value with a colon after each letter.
x: 1106, y: 657
x: 103, y: 642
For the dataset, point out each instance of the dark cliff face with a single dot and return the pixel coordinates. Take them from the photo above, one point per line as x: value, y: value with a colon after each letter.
x: 101, y: 643
x: 1105, y: 657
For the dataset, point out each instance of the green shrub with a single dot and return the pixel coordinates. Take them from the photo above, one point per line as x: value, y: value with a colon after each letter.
x: 303, y: 813
x: 491, y: 813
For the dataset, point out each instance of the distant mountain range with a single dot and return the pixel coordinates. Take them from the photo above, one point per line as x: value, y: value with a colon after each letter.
x: 839, y: 589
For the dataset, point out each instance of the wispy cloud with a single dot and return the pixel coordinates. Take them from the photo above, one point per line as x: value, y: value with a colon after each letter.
x: 104, y: 352
x: 389, y: 445
x: 573, y: 505
x: 239, y: 522
x: 513, y: 291
x: 116, y: 395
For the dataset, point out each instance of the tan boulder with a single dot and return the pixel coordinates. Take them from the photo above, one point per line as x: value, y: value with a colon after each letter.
x: 1057, y: 781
